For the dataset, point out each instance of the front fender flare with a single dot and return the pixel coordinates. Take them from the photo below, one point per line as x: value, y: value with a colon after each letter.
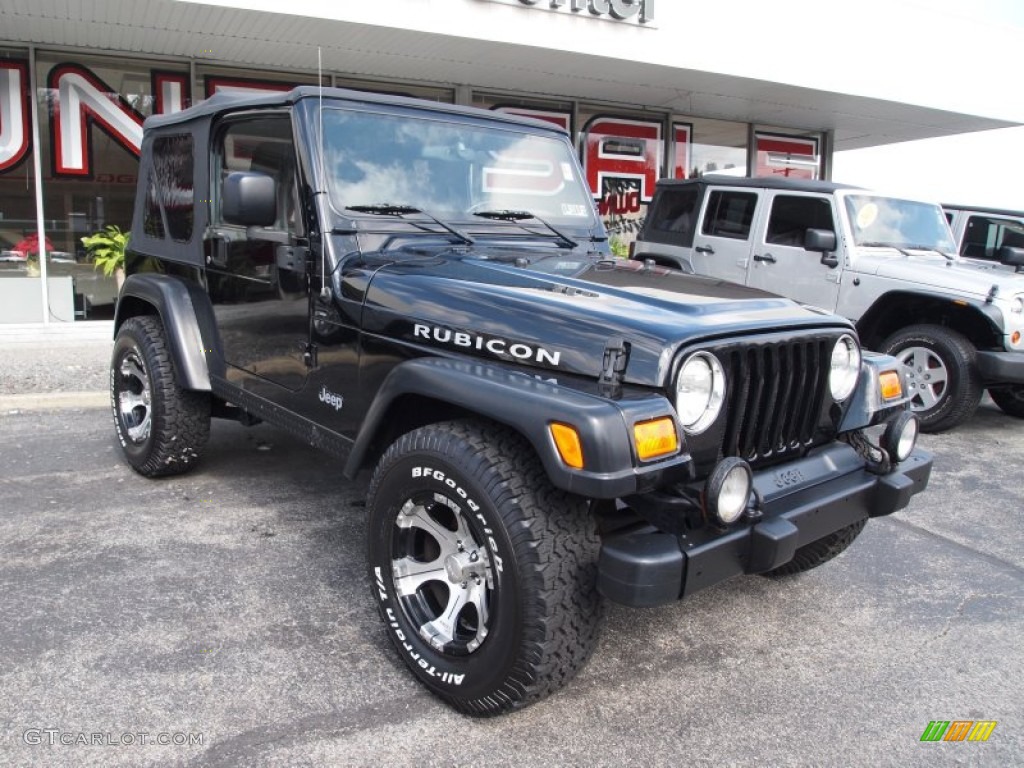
x: 528, y: 405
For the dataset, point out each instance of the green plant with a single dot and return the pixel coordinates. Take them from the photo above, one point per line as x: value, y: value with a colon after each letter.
x: 619, y: 247
x: 107, y: 248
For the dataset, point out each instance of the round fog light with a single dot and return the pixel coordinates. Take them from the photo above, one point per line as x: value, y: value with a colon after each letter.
x: 900, y: 437
x: 728, y: 489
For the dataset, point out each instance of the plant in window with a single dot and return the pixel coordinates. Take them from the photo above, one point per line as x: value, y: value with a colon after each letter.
x: 107, y: 248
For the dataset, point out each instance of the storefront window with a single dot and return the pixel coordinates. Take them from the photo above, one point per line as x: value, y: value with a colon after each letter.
x: 788, y: 154
x: 17, y: 202
x: 717, y: 146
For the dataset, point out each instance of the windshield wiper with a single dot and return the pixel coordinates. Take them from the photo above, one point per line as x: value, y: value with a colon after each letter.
x: 906, y: 248
x: 397, y: 209
x: 931, y: 248
x: 885, y: 245
x: 512, y: 215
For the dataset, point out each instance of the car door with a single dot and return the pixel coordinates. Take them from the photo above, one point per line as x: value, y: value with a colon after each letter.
x: 722, y: 243
x: 260, y: 293
x: 780, y: 263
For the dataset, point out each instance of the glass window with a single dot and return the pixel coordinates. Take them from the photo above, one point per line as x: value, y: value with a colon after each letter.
x: 717, y: 146
x: 791, y: 216
x: 450, y: 169
x: 893, y: 223
x: 676, y: 211
x: 788, y: 155
x: 729, y: 214
x: 169, y: 200
x: 985, y: 235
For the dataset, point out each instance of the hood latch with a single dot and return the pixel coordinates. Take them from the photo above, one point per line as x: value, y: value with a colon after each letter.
x: 613, y: 367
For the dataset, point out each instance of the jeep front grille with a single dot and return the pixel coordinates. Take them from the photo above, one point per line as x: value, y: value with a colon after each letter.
x: 777, y: 391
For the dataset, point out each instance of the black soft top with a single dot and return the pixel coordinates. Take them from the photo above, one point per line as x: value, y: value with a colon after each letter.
x: 763, y: 182
x: 225, y: 101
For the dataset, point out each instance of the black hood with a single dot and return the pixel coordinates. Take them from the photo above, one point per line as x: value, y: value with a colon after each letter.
x: 559, y: 312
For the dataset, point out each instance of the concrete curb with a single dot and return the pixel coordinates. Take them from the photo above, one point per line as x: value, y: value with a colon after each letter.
x: 53, y: 401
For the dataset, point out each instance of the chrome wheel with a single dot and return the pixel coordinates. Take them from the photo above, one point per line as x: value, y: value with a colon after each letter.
x: 442, y: 574
x: 928, y: 377
x: 133, y: 398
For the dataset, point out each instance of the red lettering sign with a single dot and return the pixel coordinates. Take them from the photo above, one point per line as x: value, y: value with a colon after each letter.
x: 14, y: 109
x: 617, y: 148
x: 681, y: 133
x: 82, y: 100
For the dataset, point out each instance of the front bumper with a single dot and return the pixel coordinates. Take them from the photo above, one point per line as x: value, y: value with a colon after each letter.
x: 803, y: 501
x: 1001, y: 367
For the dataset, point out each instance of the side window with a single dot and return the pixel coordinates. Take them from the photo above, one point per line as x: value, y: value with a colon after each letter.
x: 791, y: 216
x: 170, y: 199
x: 984, y: 236
x: 729, y: 214
x: 265, y: 145
x: 676, y: 211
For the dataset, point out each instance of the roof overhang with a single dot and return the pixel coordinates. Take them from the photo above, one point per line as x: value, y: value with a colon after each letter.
x: 436, y: 53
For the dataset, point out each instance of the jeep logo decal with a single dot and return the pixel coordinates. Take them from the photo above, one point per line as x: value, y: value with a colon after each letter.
x: 330, y: 398
x: 497, y: 347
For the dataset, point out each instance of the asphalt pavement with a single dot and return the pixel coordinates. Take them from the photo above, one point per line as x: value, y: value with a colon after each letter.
x: 228, y: 613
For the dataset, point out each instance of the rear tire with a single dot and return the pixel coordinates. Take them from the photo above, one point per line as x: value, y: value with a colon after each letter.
x: 485, y: 574
x: 162, y: 427
x: 821, y: 551
x: 945, y: 386
x: 1010, y: 399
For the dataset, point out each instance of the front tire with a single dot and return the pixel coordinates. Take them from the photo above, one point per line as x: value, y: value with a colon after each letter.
x: 161, y: 427
x: 945, y: 386
x: 1010, y: 399
x: 484, y: 573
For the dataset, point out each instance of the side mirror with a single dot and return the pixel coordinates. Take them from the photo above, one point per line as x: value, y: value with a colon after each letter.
x: 249, y: 199
x: 820, y: 240
x: 1011, y: 256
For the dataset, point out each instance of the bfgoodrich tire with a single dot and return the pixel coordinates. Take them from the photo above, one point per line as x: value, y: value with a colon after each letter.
x: 1010, y: 399
x: 162, y: 427
x: 946, y: 388
x: 484, y: 573
x: 821, y: 551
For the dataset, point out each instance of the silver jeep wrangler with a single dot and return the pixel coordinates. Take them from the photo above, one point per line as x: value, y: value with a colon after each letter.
x: 889, y: 264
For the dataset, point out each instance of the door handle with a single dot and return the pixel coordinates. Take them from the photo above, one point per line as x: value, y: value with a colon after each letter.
x: 767, y: 257
x: 705, y: 249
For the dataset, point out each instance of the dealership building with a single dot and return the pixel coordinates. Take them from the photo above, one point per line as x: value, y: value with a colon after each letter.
x: 646, y: 88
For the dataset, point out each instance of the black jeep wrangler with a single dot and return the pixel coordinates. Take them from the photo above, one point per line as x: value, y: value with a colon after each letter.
x: 425, y: 291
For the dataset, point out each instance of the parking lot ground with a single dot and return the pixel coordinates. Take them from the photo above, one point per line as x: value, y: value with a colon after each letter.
x: 231, y: 606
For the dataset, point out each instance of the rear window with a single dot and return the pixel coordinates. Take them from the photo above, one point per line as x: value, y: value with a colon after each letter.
x: 170, y: 200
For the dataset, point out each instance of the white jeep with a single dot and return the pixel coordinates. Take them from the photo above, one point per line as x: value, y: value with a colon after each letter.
x: 889, y: 264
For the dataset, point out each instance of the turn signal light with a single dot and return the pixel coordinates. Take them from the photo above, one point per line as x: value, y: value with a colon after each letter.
x: 655, y: 438
x: 890, y: 384
x: 567, y: 440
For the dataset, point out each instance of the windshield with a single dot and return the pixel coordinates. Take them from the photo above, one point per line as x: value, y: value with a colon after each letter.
x: 450, y: 169
x: 898, y: 223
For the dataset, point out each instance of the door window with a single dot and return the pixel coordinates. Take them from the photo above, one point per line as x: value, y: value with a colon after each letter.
x: 985, y: 235
x: 729, y: 214
x: 791, y: 216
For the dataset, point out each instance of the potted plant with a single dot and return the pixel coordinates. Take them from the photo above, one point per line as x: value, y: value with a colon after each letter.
x: 108, y: 247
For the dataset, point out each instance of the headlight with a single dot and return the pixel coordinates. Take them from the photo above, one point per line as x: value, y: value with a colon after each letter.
x: 1017, y: 306
x: 700, y: 392
x: 842, y: 379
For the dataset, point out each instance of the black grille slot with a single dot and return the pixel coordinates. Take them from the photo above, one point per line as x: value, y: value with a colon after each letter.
x: 776, y: 395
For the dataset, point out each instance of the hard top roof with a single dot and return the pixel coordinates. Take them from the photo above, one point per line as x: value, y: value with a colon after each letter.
x: 761, y: 182
x: 224, y: 101
x: 983, y: 210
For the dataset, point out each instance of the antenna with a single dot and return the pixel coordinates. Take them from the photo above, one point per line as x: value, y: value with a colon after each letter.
x: 324, y: 294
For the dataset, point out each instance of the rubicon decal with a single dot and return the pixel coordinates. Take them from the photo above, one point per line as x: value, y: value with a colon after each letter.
x: 506, y: 350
